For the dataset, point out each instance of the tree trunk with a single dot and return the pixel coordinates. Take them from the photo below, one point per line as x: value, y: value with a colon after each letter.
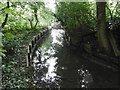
x: 36, y: 18
x: 6, y: 17
x: 101, y: 28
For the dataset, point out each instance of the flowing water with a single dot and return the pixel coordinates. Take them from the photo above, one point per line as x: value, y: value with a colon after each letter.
x: 57, y: 66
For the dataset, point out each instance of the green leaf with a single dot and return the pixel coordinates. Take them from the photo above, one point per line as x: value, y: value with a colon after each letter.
x: 2, y: 54
x: 8, y: 10
x: 9, y: 35
x: 3, y: 50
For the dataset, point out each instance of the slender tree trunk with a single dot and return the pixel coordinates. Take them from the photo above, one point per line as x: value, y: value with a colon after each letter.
x: 6, y: 17
x: 36, y: 18
x: 101, y: 27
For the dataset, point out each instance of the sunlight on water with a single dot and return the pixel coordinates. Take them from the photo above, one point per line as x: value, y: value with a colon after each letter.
x: 56, y: 66
x: 45, y: 59
x: 45, y: 63
x: 86, y: 77
x: 57, y: 34
x: 51, y: 61
x: 50, y: 74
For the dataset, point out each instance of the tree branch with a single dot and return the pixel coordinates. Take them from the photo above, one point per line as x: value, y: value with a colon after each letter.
x: 31, y: 22
x: 111, y: 17
x: 36, y: 18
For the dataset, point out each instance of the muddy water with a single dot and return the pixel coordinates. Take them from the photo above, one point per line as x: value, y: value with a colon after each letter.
x: 57, y: 66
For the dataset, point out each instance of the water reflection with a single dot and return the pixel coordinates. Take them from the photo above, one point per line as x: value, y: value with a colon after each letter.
x: 44, y: 62
x: 86, y: 77
x: 57, y: 66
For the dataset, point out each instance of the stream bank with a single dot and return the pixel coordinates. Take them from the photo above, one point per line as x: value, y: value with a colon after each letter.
x: 14, y: 63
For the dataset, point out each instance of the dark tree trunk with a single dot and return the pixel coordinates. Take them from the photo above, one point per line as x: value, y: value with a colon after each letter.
x: 6, y: 17
x: 101, y: 28
x: 36, y: 18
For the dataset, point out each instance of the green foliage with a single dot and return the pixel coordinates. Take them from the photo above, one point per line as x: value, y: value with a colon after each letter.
x: 12, y: 75
x: 20, y: 14
x: 9, y: 35
x: 112, y: 10
x: 11, y: 78
x: 73, y: 15
x: 3, y: 50
x: 23, y: 18
x: 8, y: 10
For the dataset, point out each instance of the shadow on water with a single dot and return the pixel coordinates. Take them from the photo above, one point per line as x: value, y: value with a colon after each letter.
x: 57, y: 66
